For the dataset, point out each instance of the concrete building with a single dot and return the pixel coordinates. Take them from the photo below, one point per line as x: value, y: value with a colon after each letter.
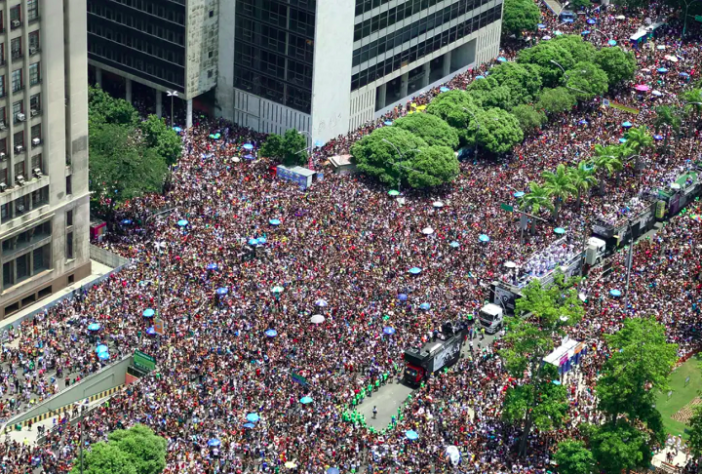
x: 44, y: 199
x: 166, y: 45
x: 326, y: 67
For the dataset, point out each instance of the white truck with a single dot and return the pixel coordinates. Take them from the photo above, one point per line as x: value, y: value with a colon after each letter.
x: 506, y: 290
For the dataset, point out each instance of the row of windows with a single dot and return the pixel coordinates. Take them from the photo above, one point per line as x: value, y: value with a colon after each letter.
x: 150, y: 69
x: 274, y: 39
x: 173, y: 33
x: 16, y: 50
x: 398, y: 14
x: 272, y: 64
x: 364, y: 6
x: 18, y: 108
x: 27, y: 238
x: 172, y: 55
x: 410, y: 55
x: 275, y: 13
x: 18, y: 80
x: 25, y: 266
x: 158, y: 8
x: 18, y: 140
x: 428, y: 23
x: 273, y: 89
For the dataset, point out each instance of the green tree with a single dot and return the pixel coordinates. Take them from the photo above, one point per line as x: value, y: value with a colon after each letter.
x: 694, y: 433
x: 162, y: 139
x: 104, y: 458
x: 667, y: 119
x: 519, y: 16
x: 495, y: 130
x: 430, y: 128
x: 540, y: 402
x: 145, y: 450
x: 523, y: 80
x: 103, y: 108
x: 529, y: 118
x: 619, y: 66
x: 544, y: 55
x: 638, y: 140
x: 606, y: 162
x: 692, y: 100
x: 620, y: 447
x: 559, y: 186
x: 122, y: 166
x: 555, y: 101
x: 589, y: 80
x: 433, y: 166
x: 580, y: 4
x: 291, y: 148
x: 499, y: 97
x: 455, y: 108
x: 579, y: 49
x: 379, y: 153
x: 537, y: 199
x: 573, y: 457
x: 582, y: 177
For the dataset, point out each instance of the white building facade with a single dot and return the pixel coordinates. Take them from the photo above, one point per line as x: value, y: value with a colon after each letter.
x: 44, y: 198
x: 325, y: 67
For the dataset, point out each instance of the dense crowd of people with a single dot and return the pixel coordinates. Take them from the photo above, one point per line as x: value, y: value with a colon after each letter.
x: 238, y: 317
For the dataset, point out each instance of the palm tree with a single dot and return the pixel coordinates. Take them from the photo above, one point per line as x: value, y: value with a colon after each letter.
x: 537, y: 199
x: 606, y: 165
x: 692, y: 100
x: 559, y: 185
x: 582, y: 177
x: 667, y: 119
x: 639, y: 138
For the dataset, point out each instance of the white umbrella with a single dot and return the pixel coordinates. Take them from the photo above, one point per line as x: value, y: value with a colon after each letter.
x: 546, y: 38
x: 438, y: 204
x: 657, y: 93
x: 317, y: 319
x: 510, y: 265
x: 427, y: 231
x: 236, y: 159
x: 620, y: 17
x: 671, y: 58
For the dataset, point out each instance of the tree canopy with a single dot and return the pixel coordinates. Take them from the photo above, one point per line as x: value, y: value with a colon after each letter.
x: 495, y: 130
x: 434, y: 166
x: 161, y: 139
x: 523, y: 80
x: 555, y: 101
x: 451, y: 107
x: 542, y: 55
x: 589, y: 80
x: 289, y: 148
x: 519, y: 16
x: 574, y: 458
x: 430, y: 128
x: 618, y: 65
x: 376, y: 153
x: 579, y: 49
x: 529, y: 118
x: 103, y: 108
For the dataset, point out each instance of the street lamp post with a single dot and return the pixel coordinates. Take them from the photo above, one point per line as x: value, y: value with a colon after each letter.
x: 172, y: 95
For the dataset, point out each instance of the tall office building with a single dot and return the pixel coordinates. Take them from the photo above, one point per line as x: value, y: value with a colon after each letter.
x: 326, y: 67
x: 166, y: 45
x: 44, y: 200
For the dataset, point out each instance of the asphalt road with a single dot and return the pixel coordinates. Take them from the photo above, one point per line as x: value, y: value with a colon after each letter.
x: 391, y: 396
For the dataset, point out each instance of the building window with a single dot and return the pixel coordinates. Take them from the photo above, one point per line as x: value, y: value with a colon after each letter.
x: 3, y: 145
x: 8, y: 276
x: 37, y: 162
x: 40, y: 197
x: 35, y: 102
x: 2, y: 86
x: 69, y: 245
x: 69, y: 218
x: 16, y: 48
x: 2, y: 53
x: 15, y: 17
x: 34, y: 44
x: 22, y: 267
x: 3, y: 116
x: 18, y: 139
x: 17, y: 109
x: 39, y: 263
x: 32, y: 10
x: 69, y: 185
x: 19, y: 169
x: 16, y: 80
x: 34, y: 78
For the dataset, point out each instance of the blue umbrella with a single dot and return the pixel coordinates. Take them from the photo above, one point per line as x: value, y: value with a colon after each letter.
x: 214, y: 443
x: 626, y: 124
x: 591, y: 21
x: 519, y: 194
x: 556, y: 382
x: 658, y: 137
x: 253, y: 417
x: 616, y: 293
x: 502, y: 59
x: 101, y: 348
x: 274, y: 222
x: 411, y: 434
x: 662, y: 70
x: 182, y: 223
x: 582, y: 122
x: 333, y: 470
x: 321, y: 303
x: 387, y: 122
x: 622, y: 140
x: 388, y: 330
x: 177, y: 129
x: 248, y: 146
x: 444, y: 89
x: 249, y: 157
x: 415, y: 270
x: 249, y: 425
x: 684, y: 74
x: 585, y: 33
x: 94, y: 327
x: 148, y: 313
x: 479, y: 77
x: 483, y: 238
x: 612, y: 43
x: 402, y: 297
x: 253, y: 242
x: 211, y: 266
x: 103, y: 355
x: 559, y: 230
x: 425, y: 306
x: 126, y: 221
x: 262, y: 241
x: 541, y: 26
x: 271, y: 332
x: 151, y: 331
x: 319, y: 143
x: 306, y: 400
x: 222, y: 291
x: 455, y: 244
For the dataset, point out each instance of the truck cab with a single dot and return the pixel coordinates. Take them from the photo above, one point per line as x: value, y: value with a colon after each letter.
x: 492, y: 317
x: 420, y: 363
x: 595, y: 251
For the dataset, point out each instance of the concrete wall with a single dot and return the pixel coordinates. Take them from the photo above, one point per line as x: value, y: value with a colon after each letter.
x: 225, y: 80
x: 107, y: 378
x: 202, y: 44
x: 331, y: 79
x: 107, y: 258
x: 267, y: 116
